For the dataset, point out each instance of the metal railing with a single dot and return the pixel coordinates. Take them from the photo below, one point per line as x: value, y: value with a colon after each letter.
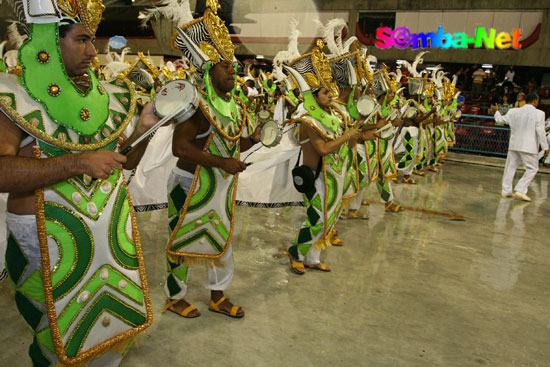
x: 492, y: 140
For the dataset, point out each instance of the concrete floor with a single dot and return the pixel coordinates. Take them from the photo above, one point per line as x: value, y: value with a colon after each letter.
x: 407, y: 289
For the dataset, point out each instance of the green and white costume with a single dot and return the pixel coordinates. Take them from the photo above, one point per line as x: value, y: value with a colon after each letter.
x: 79, y: 280
x: 201, y: 207
x: 324, y: 202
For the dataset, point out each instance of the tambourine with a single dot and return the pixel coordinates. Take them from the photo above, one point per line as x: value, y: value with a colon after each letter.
x: 458, y: 114
x: 394, y: 115
x: 271, y: 134
x: 177, y: 93
x: 365, y: 105
x: 387, y: 132
x: 264, y: 115
x: 411, y: 112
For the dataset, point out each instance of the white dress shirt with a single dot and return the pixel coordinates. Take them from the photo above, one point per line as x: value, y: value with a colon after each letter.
x: 526, y: 129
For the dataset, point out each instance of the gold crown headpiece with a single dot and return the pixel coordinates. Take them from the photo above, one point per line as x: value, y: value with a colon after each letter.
x: 209, y: 34
x: 315, y: 68
x: 86, y: 12
x: 429, y: 89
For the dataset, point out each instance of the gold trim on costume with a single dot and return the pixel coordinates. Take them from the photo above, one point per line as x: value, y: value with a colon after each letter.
x: 41, y: 135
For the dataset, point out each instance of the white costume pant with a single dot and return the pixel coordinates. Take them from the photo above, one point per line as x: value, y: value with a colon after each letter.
x: 531, y: 165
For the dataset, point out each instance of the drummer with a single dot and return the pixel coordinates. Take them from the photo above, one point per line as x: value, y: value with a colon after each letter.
x: 323, y: 140
x: 202, y: 187
x: 386, y: 157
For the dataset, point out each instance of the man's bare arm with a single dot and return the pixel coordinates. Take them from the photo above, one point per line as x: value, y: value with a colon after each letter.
x: 323, y: 147
x: 22, y: 174
x: 184, y: 146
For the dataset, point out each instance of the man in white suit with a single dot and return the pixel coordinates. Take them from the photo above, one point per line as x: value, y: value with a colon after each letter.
x: 526, y: 135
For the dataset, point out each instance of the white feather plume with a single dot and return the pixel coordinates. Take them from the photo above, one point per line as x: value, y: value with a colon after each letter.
x: 113, y: 68
x: 332, y: 35
x: 292, y: 52
x: 178, y: 11
x: 455, y: 79
x: 373, y: 59
x: 15, y: 38
x: 413, y: 68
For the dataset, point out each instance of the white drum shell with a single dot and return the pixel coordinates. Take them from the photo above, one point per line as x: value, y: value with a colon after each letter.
x: 266, y: 136
x: 174, y: 93
x: 365, y: 105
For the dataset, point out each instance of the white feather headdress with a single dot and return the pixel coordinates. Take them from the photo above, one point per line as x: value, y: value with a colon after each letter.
x: 413, y: 68
x: 178, y: 11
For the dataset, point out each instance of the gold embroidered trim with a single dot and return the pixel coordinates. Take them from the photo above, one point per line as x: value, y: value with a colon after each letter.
x: 41, y: 135
x: 205, y: 110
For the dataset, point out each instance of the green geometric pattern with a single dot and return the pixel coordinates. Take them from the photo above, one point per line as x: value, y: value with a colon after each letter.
x: 386, y: 157
x: 76, y: 247
x: 16, y: 261
x: 372, y: 158
x: 121, y: 244
x: 410, y: 151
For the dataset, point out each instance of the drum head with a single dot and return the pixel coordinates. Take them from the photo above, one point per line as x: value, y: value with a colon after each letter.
x: 270, y: 134
x: 263, y: 115
x: 411, y: 112
x: 387, y: 132
x: 172, y: 95
x: 365, y: 105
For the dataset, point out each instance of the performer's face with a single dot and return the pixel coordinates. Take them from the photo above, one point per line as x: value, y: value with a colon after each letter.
x: 77, y: 50
x: 324, y: 98
x: 223, y: 76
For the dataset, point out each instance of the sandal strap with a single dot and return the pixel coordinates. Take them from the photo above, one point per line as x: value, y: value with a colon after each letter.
x: 215, y: 305
x: 188, y: 310
x: 170, y: 305
x: 234, y: 310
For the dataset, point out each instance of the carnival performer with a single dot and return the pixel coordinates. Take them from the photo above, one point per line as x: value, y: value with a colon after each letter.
x: 203, y: 185
x: 73, y: 253
x: 323, y: 140
x: 408, y: 141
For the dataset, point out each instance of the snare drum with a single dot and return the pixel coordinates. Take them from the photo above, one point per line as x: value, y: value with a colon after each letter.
x: 264, y: 115
x: 365, y: 105
x: 177, y: 93
x: 271, y: 134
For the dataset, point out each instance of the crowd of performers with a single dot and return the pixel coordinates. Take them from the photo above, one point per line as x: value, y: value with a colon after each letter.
x: 338, y: 121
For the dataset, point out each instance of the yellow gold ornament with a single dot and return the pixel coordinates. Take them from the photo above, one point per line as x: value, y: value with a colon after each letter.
x: 43, y: 56
x: 220, y: 35
x: 312, y: 80
x: 85, y: 114
x: 54, y: 90
x: 213, y: 4
x: 321, y: 65
x: 210, y: 51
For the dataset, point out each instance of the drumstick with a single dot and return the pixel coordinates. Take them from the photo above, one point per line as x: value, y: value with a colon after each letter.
x: 153, y: 129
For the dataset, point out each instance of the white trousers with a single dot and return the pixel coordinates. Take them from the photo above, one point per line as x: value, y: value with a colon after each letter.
x: 531, y: 165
